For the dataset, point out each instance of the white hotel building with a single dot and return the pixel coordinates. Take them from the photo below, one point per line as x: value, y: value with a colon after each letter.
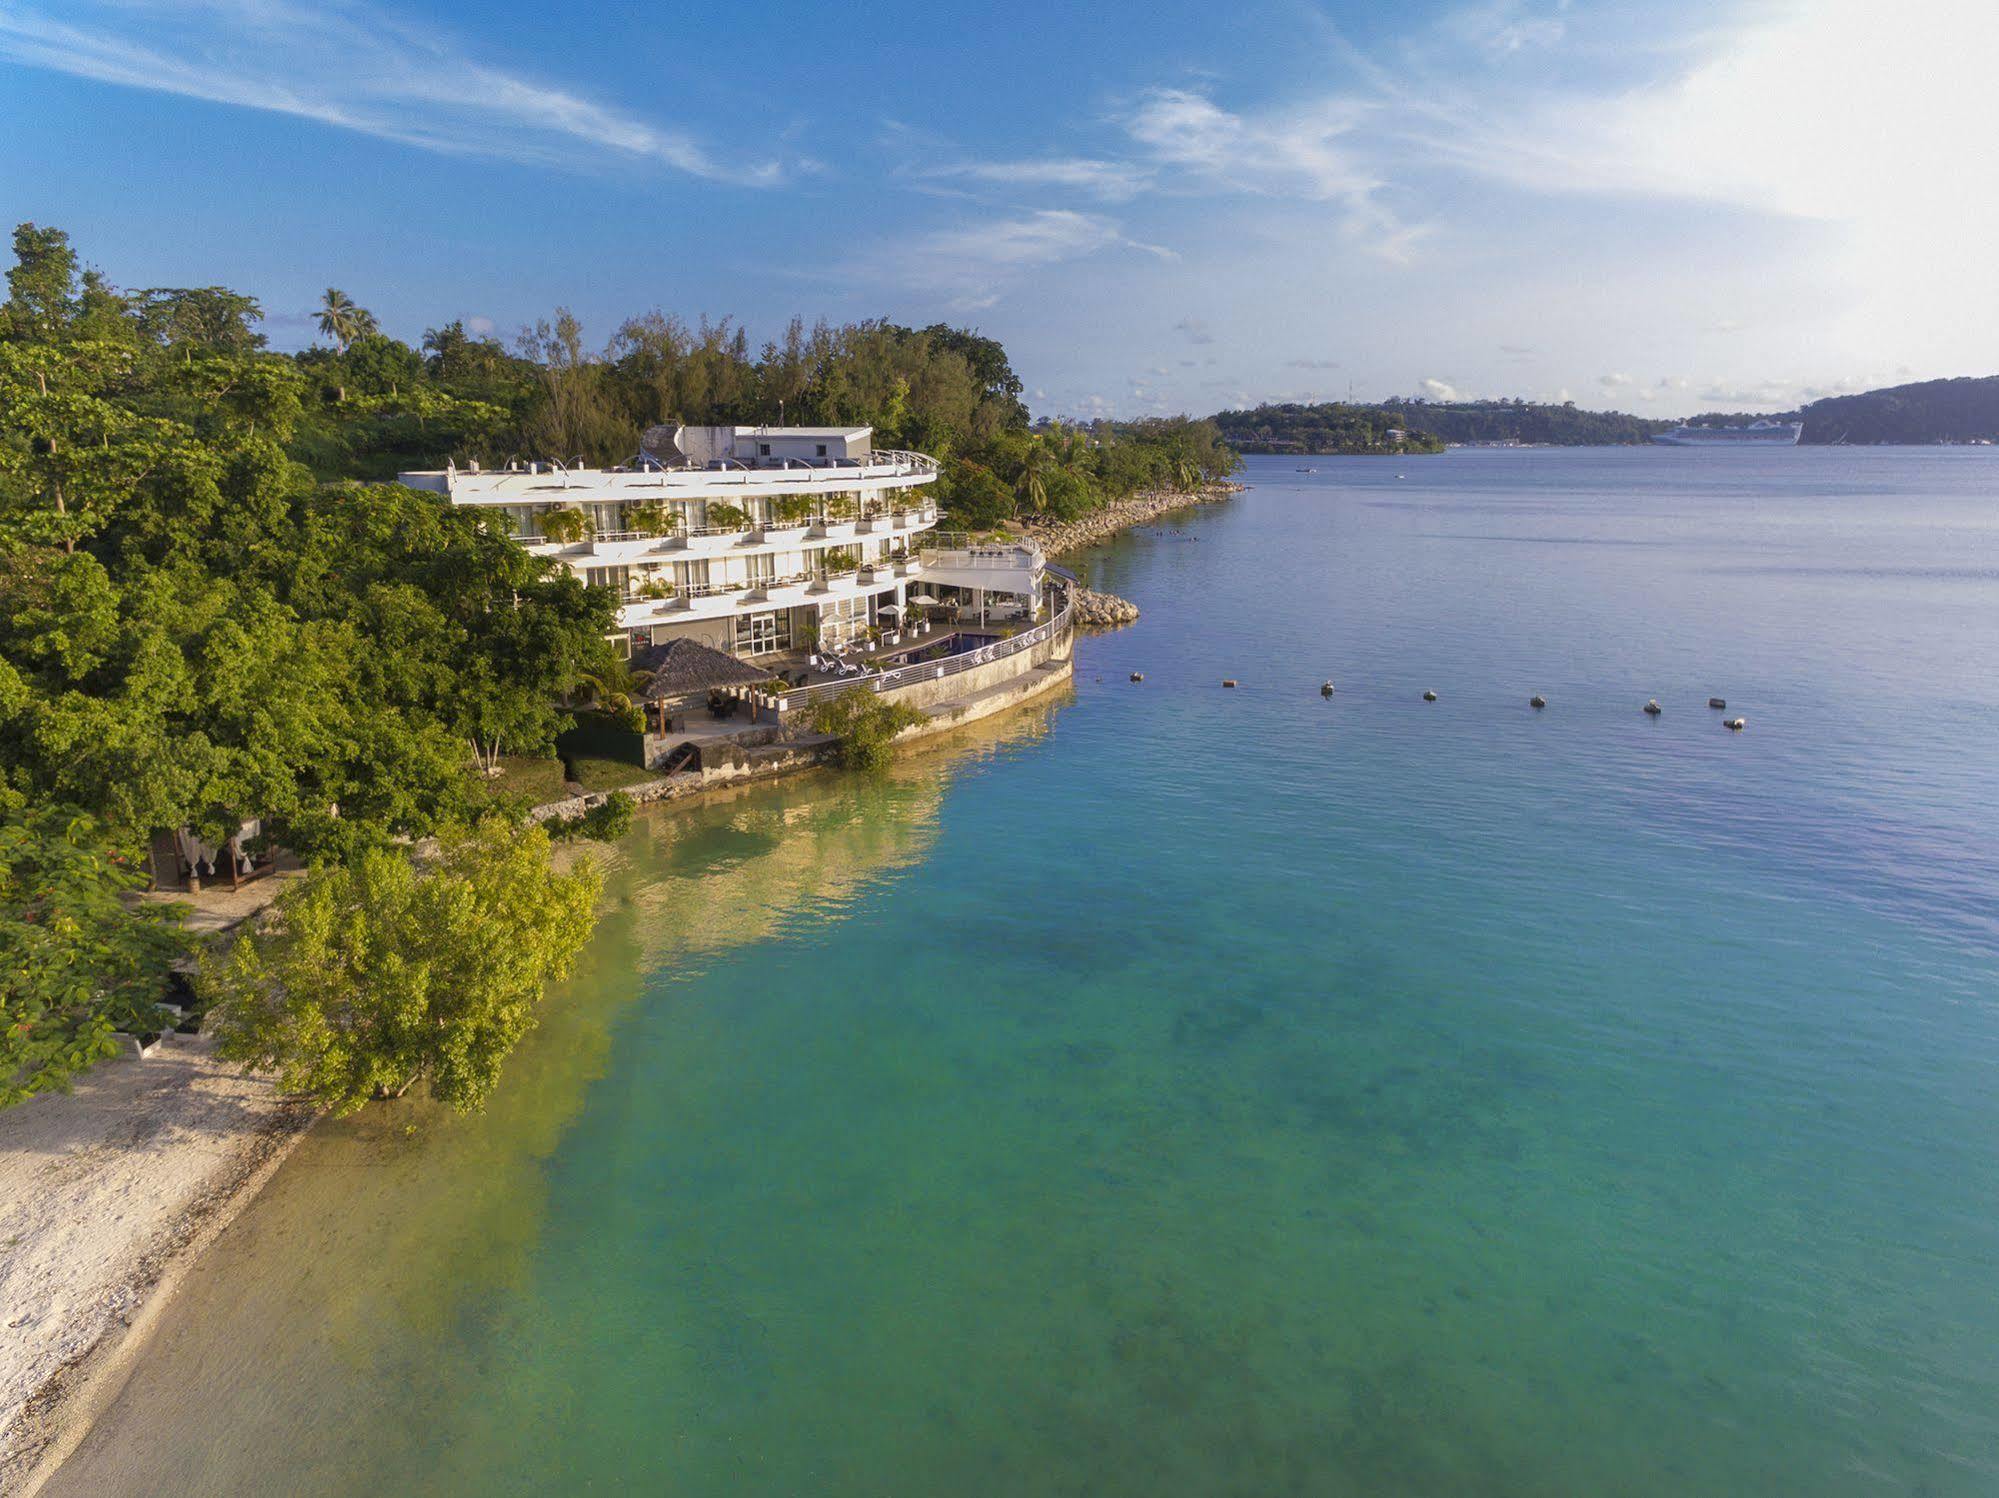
x: 755, y: 540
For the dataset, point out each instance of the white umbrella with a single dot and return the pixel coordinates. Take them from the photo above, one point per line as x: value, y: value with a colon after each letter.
x: 924, y: 600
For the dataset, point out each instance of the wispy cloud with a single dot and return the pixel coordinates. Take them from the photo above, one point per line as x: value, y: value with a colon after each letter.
x: 1195, y: 330
x: 1110, y: 181
x: 974, y: 264
x: 349, y: 66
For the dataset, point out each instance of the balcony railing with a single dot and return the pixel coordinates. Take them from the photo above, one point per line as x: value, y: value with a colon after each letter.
x: 951, y: 665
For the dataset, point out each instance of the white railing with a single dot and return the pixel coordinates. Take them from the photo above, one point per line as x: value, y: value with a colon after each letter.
x: 951, y: 665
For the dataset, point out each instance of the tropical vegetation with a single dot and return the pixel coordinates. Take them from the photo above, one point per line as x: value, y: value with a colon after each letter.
x: 387, y: 970
x: 216, y: 608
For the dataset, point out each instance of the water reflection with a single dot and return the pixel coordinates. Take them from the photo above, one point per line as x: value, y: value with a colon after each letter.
x: 329, y: 1310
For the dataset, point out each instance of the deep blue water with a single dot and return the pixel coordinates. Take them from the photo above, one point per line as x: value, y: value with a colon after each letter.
x: 1185, y: 1090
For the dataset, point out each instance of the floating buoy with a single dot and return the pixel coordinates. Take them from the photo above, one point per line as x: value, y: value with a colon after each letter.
x: 1717, y: 702
x: 1429, y: 696
x: 1735, y: 725
x: 1537, y: 700
x: 1138, y: 676
x: 1229, y: 682
x: 1326, y: 689
x: 1652, y: 708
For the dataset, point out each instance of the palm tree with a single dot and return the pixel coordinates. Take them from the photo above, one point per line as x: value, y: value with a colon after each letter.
x: 342, y: 320
x: 1032, y: 485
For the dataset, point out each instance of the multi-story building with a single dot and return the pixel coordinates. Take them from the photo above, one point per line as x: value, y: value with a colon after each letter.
x: 754, y: 540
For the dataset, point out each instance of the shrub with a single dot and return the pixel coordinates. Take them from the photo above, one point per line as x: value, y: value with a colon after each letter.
x: 865, y: 725
x: 606, y: 822
x: 726, y: 516
x: 376, y: 974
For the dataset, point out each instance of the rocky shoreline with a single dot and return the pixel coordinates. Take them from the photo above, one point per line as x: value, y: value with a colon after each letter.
x: 1103, y: 610
x: 1058, y: 537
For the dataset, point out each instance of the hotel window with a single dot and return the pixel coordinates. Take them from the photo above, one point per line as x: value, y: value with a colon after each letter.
x: 613, y: 578
x: 763, y: 634
x: 822, y: 449
x: 763, y: 449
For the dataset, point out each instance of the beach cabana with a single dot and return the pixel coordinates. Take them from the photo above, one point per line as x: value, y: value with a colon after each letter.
x: 681, y: 673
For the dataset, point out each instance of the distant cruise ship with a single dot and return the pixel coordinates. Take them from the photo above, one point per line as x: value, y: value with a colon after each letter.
x: 1756, y: 434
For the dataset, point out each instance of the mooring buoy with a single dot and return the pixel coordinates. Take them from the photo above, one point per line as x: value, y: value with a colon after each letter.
x: 1429, y: 696
x: 1138, y: 676
x: 1326, y: 689
x: 1537, y: 700
x: 1736, y: 724
x: 1652, y: 708
x: 1717, y: 702
x: 1228, y: 681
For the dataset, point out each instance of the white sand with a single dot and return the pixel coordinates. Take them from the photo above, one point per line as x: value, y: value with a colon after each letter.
x: 106, y: 1195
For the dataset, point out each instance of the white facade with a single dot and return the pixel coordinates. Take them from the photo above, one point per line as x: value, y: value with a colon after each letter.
x: 754, y: 540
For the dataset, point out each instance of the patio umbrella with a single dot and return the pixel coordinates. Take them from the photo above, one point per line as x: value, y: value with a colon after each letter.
x: 924, y: 600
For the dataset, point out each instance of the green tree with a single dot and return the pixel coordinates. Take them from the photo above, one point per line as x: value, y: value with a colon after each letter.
x: 865, y: 726
x: 390, y: 970
x: 1036, y: 468
x: 342, y: 319
x: 41, y: 288
x: 75, y: 964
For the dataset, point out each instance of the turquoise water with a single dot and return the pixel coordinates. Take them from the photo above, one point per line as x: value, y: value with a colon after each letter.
x: 1180, y: 1090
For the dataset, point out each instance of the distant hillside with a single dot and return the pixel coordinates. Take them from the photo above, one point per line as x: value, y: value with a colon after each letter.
x: 1932, y: 411
x: 1961, y: 410
x: 1334, y: 427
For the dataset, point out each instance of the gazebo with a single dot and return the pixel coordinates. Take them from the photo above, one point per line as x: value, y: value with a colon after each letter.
x: 683, y: 669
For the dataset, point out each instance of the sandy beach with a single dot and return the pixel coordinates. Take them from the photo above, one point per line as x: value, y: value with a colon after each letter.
x: 107, y: 1194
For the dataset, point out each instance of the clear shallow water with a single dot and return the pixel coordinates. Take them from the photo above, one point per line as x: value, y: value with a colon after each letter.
x: 1188, y: 1091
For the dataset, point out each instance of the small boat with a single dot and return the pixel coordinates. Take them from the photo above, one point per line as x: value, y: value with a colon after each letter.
x: 1308, y: 470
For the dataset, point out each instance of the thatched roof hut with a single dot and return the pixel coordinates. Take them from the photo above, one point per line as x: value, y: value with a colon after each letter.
x: 682, y: 668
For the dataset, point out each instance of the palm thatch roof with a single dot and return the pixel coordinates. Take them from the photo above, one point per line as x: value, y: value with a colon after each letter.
x: 682, y: 666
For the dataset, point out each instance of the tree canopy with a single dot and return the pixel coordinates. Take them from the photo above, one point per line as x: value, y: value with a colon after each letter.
x: 386, y: 971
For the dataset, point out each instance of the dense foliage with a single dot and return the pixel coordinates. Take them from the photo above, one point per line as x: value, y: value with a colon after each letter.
x: 385, y: 971
x: 1332, y: 427
x: 75, y: 964
x: 195, y: 632
x: 864, y: 726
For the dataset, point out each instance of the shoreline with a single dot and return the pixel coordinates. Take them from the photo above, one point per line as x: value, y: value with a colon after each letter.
x: 111, y: 1192
x: 1061, y: 537
x: 192, y: 1141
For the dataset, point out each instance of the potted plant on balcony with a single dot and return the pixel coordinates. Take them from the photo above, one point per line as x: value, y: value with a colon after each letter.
x: 836, y: 561
x: 838, y: 508
x: 789, y: 512
x: 654, y: 588
x: 724, y: 516
x: 565, y: 527
x: 651, y: 518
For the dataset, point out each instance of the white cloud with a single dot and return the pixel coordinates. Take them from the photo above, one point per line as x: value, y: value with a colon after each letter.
x: 1112, y: 181
x: 975, y: 264
x: 1614, y: 381
x: 479, y: 326
x: 349, y: 66
x: 1439, y: 390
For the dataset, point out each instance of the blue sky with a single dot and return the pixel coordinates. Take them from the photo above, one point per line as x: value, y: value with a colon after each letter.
x: 1158, y: 207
